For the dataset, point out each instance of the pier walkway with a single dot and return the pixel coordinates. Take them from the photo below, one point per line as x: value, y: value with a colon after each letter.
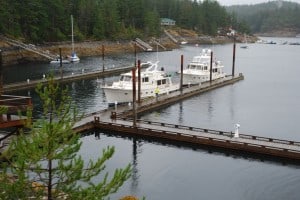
x: 29, y: 47
x: 28, y: 84
x: 119, y: 121
x: 143, y: 45
x: 193, y: 136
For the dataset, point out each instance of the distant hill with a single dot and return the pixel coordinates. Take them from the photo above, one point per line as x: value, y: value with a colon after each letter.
x: 275, y: 18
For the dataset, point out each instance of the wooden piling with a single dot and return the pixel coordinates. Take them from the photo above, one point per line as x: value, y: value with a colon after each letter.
x: 134, y: 96
x: 1, y: 74
x: 60, y: 64
x: 103, y: 57
x: 181, y: 74
x: 211, y: 66
x: 233, y: 59
x: 139, y: 81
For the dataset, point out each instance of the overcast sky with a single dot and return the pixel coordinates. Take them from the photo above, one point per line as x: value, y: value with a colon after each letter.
x: 241, y: 2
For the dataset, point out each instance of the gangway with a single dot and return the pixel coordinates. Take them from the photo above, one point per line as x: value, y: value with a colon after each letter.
x: 170, y: 36
x: 155, y: 41
x: 143, y: 45
x: 29, y: 47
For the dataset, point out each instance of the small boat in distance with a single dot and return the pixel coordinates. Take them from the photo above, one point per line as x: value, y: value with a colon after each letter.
x: 244, y: 46
x: 245, y: 43
x: 153, y: 81
x: 57, y: 61
x: 198, y: 70
x: 73, y: 57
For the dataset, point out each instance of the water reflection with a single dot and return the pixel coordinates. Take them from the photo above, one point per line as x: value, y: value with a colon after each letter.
x: 236, y: 154
x: 136, y: 149
x: 210, y: 108
x: 180, y: 118
x: 231, y: 103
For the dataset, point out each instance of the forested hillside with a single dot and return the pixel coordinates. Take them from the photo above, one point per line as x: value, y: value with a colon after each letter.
x: 274, y: 16
x: 49, y: 21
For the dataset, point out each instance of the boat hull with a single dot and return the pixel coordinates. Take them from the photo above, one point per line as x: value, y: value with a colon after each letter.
x: 120, y: 95
x: 74, y: 59
x: 192, y: 79
x: 58, y: 61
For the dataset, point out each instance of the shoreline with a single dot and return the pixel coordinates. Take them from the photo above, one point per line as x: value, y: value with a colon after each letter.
x: 16, y: 55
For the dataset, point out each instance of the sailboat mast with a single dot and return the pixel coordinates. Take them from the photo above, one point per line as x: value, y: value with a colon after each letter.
x: 72, y: 34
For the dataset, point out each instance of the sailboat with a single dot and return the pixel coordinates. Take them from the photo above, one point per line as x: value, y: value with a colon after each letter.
x: 245, y: 45
x: 73, y: 57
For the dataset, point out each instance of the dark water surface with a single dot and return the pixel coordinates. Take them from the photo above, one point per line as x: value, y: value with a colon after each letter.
x: 266, y: 103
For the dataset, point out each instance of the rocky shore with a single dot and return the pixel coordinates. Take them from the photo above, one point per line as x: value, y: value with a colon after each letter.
x: 12, y: 55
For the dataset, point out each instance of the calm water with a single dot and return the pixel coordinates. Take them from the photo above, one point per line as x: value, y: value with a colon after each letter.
x: 266, y: 103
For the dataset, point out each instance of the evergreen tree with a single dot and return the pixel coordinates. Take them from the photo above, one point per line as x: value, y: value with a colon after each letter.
x: 152, y: 24
x: 45, y: 162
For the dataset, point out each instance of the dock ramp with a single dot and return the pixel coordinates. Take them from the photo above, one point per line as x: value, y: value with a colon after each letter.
x: 28, y: 47
x: 155, y: 41
x: 143, y: 45
x: 170, y: 36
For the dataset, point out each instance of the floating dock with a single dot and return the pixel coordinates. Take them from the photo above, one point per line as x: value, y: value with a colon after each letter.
x: 29, y: 84
x: 11, y: 120
x: 119, y: 121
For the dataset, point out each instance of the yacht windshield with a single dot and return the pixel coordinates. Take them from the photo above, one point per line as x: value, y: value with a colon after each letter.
x: 192, y: 66
x: 125, y: 78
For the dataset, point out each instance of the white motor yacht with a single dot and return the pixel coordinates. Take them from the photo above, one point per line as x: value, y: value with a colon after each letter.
x: 153, y: 81
x: 198, y: 70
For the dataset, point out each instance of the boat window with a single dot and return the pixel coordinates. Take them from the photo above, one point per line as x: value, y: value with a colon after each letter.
x: 125, y: 78
x: 159, y: 82
x: 164, y: 81
x: 205, y: 67
x: 145, y: 79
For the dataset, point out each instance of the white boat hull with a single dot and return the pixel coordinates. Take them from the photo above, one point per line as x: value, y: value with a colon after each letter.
x: 200, y: 68
x: 191, y: 79
x: 120, y: 95
x: 74, y: 58
x: 58, y: 61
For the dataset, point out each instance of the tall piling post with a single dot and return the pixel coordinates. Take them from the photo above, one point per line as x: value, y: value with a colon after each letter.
x: 211, y: 66
x: 1, y: 74
x: 103, y: 50
x: 233, y: 57
x: 134, y: 96
x: 139, y: 81
x: 135, y: 55
x: 181, y: 74
x: 60, y: 64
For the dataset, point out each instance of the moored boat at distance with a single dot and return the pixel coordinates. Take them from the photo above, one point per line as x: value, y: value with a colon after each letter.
x: 57, y: 61
x: 73, y: 57
x: 198, y: 70
x: 245, y: 43
x: 153, y: 80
